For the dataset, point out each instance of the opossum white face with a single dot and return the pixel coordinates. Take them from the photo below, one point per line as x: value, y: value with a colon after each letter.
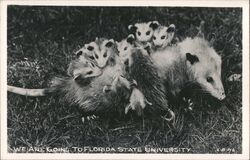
x: 86, y: 69
x: 124, y: 49
x: 205, y: 64
x: 163, y: 36
x: 143, y: 31
x: 100, y: 51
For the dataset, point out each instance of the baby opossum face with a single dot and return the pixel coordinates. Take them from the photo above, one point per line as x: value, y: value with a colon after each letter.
x: 163, y: 36
x: 100, y: 51
x: 143, y: 31
x: 205, y: 64
x: 85, y: 69
x: 124, y: 49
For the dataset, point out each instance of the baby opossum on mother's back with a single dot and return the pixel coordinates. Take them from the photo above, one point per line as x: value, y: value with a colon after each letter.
x: 140, y: 67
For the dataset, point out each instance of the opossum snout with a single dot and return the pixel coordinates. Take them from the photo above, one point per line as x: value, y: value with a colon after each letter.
x: 126, y: 62
x: 223, y: 96
x: 158, y: 46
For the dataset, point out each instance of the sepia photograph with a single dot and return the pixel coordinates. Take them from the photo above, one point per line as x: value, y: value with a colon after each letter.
x: 162, y: 80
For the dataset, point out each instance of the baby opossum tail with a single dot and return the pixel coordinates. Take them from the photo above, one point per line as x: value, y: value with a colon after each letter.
x: 31, y: 92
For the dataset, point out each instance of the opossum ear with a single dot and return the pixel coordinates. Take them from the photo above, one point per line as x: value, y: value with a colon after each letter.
x: 154, y: 24
x: 212, y: 38
x: 110, y: 43
x: 131, y: 38
x: 132, y: 28
x: 192, y: 58
x: 171, y: 28
x: 90, y: 48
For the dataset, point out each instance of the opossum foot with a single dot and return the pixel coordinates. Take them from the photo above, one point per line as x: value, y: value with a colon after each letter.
x: 126, y: 83
x: 189, y: 102
x: 88, y: 118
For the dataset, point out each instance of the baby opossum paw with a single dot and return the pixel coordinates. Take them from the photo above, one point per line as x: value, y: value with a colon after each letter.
x: 189, y: 103
x: 133, y: 83
x: 89, y: 118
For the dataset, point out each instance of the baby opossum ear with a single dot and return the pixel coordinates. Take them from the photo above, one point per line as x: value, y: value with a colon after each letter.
x: 192, y: 58
x: 154, y: 24
x: 110, y: 43
x: 132, y: 28
x: 131, y: 38
x: 90, y: 48
x: 212, y: 38
x: 171, y: 28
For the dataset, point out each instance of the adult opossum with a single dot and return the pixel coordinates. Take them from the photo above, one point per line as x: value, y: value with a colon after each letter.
x: 93, y: 100
x: 193, y: 61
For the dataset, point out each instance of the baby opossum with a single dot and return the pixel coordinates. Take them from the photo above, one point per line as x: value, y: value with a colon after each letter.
x: 193, y: 61
x: 149, y: 89
x: 143, y: 32
x: 163, y: 36
x: 82, y: 68
x: 101, y: 51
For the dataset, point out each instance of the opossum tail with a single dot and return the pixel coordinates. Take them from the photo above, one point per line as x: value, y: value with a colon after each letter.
x: 31, y: 92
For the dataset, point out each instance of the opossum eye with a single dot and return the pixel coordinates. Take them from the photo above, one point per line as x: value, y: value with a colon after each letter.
x: 105, y: 55
x: 91, y: 57
x: 125, y: 48
x: 89, y: 72
x: 154, y: 38
x: 96, y: 56
x: 148, y: 32
x: 79, y: 53
x: 210, y: 79
x: 90, y: 48
x: 139, y: 33
x: 163, y: 37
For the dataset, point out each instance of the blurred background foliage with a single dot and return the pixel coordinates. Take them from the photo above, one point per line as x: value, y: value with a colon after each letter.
x: 41, y: 42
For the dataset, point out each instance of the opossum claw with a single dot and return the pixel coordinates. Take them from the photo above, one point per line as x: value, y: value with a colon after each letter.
x: 149, y: 103
x: 133, y: 83
x: 127, y: 108
x: 83, y: 119
x: 172, y: 116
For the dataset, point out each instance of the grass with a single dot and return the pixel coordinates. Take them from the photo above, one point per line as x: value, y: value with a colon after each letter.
x: 41, y: 41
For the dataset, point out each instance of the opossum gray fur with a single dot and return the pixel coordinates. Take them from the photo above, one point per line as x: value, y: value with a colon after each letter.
x: 193, y: 61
